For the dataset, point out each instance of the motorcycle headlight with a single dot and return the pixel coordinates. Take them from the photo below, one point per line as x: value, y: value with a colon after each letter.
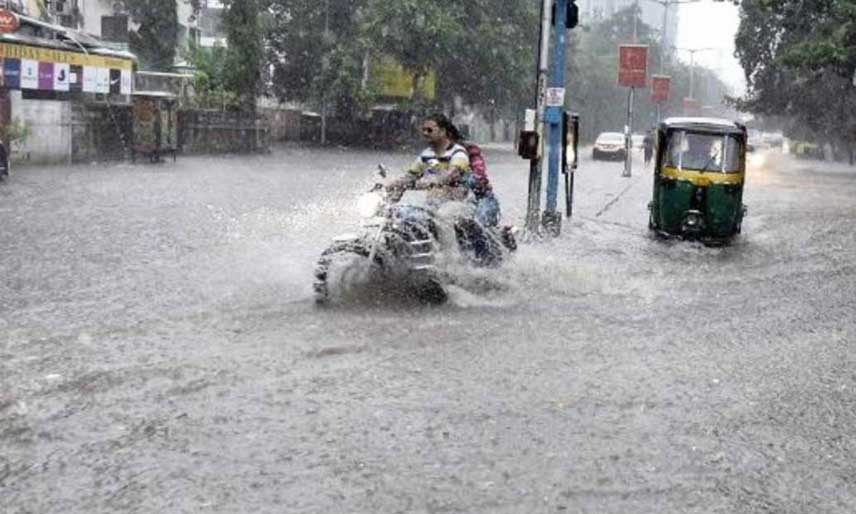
x: 369, y: 205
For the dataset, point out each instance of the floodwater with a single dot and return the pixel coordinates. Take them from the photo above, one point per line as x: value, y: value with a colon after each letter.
x: 160, y: 351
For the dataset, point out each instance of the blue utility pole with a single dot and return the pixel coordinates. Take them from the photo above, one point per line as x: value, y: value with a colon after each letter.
x: 555, y: 111
x: 564, y: 18
x: 546, y: 127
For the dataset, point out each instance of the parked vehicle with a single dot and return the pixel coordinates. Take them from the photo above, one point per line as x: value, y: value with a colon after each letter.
x: 609, y: 145
x: 698, y: 179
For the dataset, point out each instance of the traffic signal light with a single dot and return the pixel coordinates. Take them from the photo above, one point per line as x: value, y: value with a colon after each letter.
x: 572, y: 14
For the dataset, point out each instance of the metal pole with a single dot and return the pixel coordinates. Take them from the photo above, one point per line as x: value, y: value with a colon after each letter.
x: 324, y: 94
x: 552, y: 220
x: 692, y: 71
x: 628, y: 130
x: 533, y: 213
x: 663, y: 35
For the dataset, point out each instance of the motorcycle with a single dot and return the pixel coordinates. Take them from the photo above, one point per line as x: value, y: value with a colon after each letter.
x: 402, y: 240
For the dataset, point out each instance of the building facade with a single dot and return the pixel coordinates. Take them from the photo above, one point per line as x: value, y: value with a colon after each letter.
x: 66, y: 75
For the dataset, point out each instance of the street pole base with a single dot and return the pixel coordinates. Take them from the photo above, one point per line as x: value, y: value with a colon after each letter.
x: 551, y: 221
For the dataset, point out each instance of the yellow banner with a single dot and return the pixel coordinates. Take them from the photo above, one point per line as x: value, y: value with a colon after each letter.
x: 394, y: 80
x: 35, y: 53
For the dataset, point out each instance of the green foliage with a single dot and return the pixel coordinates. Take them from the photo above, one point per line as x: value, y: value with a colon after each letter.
x: 243, y: 62
x: 480, y: 50
x: 156, y: 39
x: 210, y: 83
x: 799, y: 58
x: 317, y: 52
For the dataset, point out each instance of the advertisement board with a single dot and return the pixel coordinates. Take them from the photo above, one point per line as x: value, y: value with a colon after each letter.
x: 61, y: 76
x: 393, y: 80
x: 660, y: 88
x: 632, y: 65
x: 102, y: 80
x: 90, y: 79
x: 29, y: 74
x: 692, y: 107
x: 46, y: 69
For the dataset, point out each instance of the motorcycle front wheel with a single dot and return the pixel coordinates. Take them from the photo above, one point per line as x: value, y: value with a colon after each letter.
x: 341, y: 269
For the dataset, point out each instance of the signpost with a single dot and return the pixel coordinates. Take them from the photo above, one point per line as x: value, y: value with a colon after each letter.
x: 692, y: 107
x: 660, y: 86
x: 632, y: 73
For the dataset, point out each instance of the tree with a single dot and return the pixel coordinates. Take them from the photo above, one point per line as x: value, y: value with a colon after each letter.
x: 799, y: 57
x: 317, y: 52
x: 244, y: 55
x: 482, y: 50
x: 156, y: 39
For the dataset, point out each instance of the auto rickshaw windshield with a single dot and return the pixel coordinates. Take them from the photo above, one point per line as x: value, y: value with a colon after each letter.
x: 703, y: 152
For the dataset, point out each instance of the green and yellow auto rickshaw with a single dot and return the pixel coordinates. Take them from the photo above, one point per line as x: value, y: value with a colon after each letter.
x: 698, y: 179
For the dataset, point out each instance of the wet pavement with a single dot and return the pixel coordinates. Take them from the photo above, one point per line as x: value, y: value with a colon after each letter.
x: 160, y: 352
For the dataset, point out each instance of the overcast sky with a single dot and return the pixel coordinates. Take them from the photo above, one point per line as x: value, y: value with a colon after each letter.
x: 710, y: 24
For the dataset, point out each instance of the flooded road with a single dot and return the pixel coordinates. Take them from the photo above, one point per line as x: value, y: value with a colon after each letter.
x: 160, y: 351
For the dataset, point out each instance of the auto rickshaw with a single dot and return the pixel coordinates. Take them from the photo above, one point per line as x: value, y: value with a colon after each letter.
x: 699, y: 172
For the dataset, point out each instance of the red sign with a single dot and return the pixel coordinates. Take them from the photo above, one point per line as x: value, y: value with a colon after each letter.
x: 660, y: 85
x: 9, y: 21
x: 633, y: 65
x: 691, y: 106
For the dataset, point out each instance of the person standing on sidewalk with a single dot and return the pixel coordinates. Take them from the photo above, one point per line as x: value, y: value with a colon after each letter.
x: 648, y: 146
x: 4, y: 162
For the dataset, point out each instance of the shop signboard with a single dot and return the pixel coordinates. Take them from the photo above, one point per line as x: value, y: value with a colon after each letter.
x: 9, y: 21
x: 90, y: 78
x: 29, y: 74
x: 46, y: 76
x: 102, y: 80
x: 12, y: 73
x: 75, y: 78
x: 127, y: 82
x: 62, y: 76
x: 46, y: 69
x: 115, y: 82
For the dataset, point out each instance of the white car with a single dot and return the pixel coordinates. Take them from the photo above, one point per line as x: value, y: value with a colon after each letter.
x: 609, y: 145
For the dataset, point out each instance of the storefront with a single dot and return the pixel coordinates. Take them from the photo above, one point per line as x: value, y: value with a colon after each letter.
x: 39, y: 68
x: 46, y: 71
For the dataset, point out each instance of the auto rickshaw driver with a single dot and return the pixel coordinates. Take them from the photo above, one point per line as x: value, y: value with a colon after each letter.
x: 699, y: 154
